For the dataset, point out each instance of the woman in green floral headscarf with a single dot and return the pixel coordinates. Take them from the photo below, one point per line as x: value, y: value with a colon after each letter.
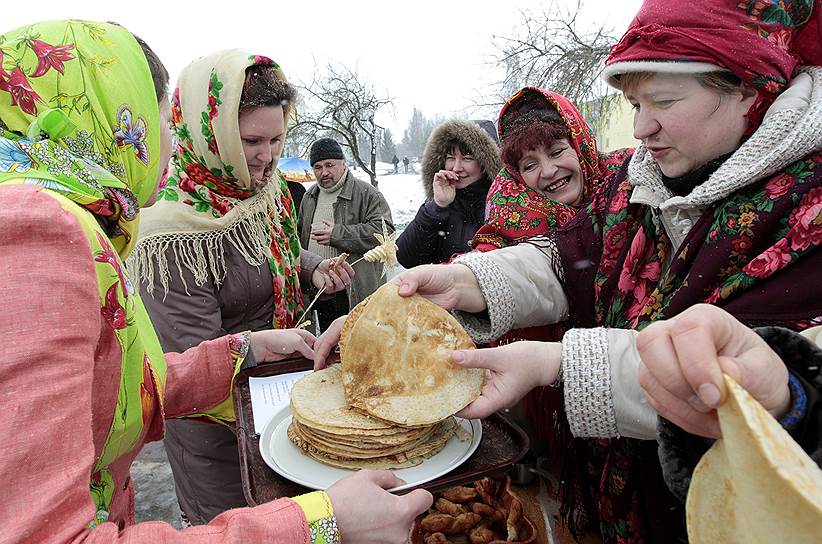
x: 84, y: 380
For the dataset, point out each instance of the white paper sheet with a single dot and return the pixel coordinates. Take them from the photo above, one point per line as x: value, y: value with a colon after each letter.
x: 269, y: 395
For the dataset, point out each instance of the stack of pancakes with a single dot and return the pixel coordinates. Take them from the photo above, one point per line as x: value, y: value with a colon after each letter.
x: 389, y: 404
x: 326, y: 429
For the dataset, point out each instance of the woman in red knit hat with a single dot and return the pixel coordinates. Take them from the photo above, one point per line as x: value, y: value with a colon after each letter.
x: 720, y: 205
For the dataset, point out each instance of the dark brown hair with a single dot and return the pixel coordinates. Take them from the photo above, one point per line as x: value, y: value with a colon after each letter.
x: 458, y: 144
x: 529, y: 137
x: 262, y: 88
x: 159, y: 74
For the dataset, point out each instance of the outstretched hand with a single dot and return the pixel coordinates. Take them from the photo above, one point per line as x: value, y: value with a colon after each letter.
x: 683, y: 359
x: 326, y: 343
x: 452, y: 286
x: 513, y: 370
x: 367, y: 514
x: 276, y: 345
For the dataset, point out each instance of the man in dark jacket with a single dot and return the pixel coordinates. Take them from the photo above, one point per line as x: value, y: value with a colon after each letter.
x: 341, y: 214
x: 459, y: 163
x: 297, y: 192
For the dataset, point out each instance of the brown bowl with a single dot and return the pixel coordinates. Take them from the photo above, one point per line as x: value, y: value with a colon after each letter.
x: 505, y: 499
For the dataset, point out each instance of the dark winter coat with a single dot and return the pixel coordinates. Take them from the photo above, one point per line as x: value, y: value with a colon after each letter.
x: 436, y: 234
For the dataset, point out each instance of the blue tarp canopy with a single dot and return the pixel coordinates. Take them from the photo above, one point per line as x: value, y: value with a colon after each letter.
x: 296, y: 169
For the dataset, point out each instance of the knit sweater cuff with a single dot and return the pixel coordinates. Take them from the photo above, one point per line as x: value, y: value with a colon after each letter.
x: 586, y: 373
x: 499, y: 300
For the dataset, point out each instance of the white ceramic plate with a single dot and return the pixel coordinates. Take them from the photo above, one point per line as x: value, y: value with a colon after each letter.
x: 289, y: 461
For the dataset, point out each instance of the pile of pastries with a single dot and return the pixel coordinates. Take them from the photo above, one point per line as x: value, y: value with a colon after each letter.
x: 390, y: 402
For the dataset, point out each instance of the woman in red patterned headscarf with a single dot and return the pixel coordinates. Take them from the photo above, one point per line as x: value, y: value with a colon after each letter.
x: 539, y: 126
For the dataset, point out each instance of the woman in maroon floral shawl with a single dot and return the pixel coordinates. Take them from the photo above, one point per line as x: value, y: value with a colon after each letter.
x: 722, y: 203
x: 540, y: 127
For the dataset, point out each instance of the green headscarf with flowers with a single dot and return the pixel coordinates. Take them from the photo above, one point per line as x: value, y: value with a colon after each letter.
x: 80, y: 118
x: 78, y: 115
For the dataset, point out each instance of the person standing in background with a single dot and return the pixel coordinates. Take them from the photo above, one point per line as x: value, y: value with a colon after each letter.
x: 459, y: 163
x: 341, y: 213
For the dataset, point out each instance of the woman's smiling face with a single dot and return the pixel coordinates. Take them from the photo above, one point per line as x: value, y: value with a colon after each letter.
x: 553, y: 172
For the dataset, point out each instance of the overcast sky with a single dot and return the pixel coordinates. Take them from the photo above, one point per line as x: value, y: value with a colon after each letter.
x: 432, y: 54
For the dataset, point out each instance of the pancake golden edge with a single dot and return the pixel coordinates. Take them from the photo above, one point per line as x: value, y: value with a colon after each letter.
x: 396, y: 360
x: 343, y: 436
x: 412, y: 448
x: 407, y: 459
x: 349, y: 322
x: 318, y: 398
x: 343, y: 444
x: 755, y: 484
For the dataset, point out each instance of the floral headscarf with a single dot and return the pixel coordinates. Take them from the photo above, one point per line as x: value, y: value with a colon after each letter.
x: 209, y: 198
x: 98, y: 146
x: 515, y: 211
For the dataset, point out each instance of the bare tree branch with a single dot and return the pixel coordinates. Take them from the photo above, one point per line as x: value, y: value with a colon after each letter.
x: 550, y: 50
x: 341, y: 104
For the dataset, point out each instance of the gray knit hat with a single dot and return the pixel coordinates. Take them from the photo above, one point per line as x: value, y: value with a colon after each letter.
x: 325, y: 148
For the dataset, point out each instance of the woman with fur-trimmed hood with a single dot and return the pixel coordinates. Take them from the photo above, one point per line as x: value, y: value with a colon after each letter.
x: 459, y: 163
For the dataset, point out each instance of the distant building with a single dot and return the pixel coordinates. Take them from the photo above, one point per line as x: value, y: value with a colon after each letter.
x: 615, y: 129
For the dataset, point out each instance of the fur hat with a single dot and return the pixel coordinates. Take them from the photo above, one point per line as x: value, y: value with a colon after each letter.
x: 474, y: 137
x: 325, y: 148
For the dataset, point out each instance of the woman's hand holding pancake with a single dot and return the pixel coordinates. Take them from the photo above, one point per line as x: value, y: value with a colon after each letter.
x: 277, y: 345
x: 683, y: 360
x: 327, y: 342
x: 366, y: 513
x: 514, y: 369
x: 451, y: 286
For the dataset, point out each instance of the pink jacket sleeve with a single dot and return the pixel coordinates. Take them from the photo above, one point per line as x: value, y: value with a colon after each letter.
x: 198, y: 378
x: 49, y: 329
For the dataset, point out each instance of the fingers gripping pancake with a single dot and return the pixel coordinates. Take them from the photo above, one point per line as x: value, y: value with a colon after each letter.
x: 396, y: 359
x: 755, y: 484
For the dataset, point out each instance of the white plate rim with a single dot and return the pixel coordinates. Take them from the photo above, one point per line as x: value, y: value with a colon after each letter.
x: 268, y: 434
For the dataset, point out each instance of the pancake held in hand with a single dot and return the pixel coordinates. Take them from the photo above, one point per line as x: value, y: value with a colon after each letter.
x: 755, y: 484
x: 396, y: 360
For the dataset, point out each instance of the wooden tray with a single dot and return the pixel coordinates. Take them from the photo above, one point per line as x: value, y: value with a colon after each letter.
x: 503, y: 443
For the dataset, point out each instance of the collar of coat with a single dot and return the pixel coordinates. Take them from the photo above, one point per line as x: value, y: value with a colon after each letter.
x: 347, y: 191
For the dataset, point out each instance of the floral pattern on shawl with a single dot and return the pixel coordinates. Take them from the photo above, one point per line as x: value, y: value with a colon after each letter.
x: 752, y: 253
x: 515, y: 211
x: 206, y: 182
x: 68, y: 137
x: 759, y: 231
